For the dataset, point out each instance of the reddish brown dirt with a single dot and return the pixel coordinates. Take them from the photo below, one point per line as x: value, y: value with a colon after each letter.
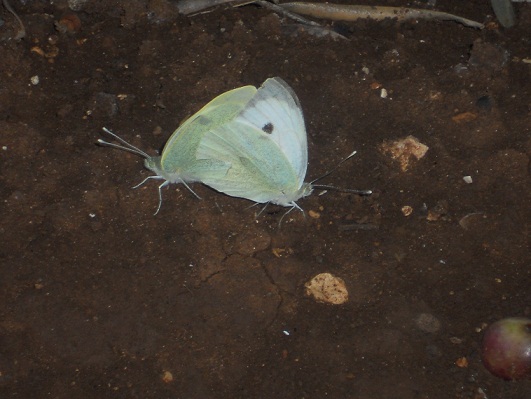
x: 101, y: 299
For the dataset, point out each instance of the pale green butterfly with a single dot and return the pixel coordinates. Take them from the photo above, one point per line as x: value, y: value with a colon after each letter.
x: 178, y: 162
x: 266, y: 147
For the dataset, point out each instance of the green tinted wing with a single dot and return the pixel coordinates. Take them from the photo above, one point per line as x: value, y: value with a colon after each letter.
x: 180, y: 150
x: 259, y: 170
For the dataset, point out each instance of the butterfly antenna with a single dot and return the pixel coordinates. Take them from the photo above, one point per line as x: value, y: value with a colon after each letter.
x: 125, y: 147
x: 334, y: 168
x: 343, y: 190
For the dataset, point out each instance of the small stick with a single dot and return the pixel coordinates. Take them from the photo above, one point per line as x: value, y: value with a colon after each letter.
x: 282, y: 10
x: 188, y: 7
x: 312, y: 27
x: 342, y: 12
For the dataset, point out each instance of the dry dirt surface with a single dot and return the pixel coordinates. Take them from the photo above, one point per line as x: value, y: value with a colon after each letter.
x: 99, y: 298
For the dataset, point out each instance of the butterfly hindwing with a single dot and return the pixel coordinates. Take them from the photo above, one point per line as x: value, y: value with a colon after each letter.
x: 265, y: 146
x: 258, y: 170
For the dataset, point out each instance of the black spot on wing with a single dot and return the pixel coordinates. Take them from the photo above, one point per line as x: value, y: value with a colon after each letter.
x: 268, y: 128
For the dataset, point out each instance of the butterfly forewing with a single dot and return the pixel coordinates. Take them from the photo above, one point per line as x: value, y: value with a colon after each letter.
x: 275, y: 109
x: 180, y: 151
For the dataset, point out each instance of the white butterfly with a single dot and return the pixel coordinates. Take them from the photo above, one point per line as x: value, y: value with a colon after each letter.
x: 266, y: 146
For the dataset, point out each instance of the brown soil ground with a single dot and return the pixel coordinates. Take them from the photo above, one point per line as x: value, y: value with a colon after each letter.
x: 101, y: 299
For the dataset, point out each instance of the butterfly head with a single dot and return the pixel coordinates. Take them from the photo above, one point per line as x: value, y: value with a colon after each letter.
x: 288, y: 199
x: 305, y: 190
x: 153, y: 164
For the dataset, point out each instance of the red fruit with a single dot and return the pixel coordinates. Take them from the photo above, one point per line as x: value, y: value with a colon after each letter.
x: 506, y: 348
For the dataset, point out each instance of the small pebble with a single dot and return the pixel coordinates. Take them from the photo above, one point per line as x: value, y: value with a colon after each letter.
x: 428, y: 323
x: 314, y: 214
x: 462, y: 362
x: 407, y: 210
x: 69, y: 23
x: 467, y: 179
x: 167, y: 377
x: 327, y: 288
x: 405, y: 150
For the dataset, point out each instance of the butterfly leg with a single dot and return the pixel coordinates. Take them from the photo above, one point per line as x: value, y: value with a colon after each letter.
x: 160, y: 196
x: 192, y: 191
x: 146, y: 179
x: 283, y: 216
x: 262, y: 210
x: 294, y: 205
